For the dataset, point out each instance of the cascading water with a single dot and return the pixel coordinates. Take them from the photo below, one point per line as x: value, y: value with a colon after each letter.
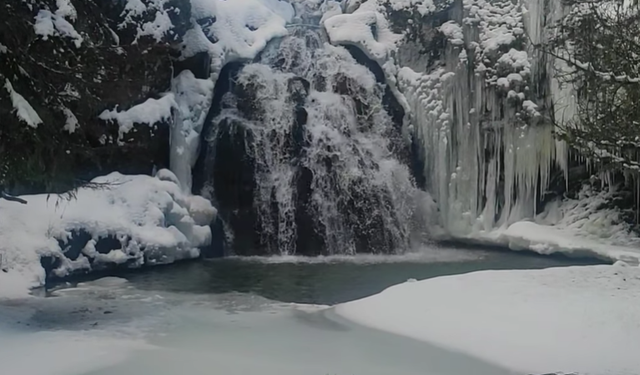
x: 303, y: 157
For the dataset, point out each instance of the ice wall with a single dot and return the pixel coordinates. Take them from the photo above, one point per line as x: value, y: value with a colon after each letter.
x: 480, y: 115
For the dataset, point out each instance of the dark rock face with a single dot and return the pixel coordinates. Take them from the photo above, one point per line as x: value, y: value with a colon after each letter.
x: 63, y: 77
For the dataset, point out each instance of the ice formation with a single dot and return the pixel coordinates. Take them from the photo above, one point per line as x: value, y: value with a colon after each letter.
x: 487, y: 152
x: 149, y: 217
x: 193, y: 99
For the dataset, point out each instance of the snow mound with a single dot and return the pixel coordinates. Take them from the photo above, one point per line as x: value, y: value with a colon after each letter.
x: 234, y: 30
x: 366, y: 28
x: 575, y: 319
x: 149, y: 220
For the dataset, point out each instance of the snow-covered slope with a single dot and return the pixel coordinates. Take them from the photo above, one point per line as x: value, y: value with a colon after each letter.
x: 577, y: 319
x: 132, y: 220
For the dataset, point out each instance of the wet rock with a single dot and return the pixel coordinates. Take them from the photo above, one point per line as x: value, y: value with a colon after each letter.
x: 234, y: 183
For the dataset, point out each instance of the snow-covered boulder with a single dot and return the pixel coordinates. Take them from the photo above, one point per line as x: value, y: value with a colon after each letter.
x: 119, y: 220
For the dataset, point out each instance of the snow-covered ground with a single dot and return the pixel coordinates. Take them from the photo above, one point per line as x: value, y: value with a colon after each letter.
x: 150, y: 217
x: 575, y: 319
x: 588, y: 225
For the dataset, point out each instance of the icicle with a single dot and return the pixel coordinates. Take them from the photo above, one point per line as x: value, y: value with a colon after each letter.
x: 486, y: 166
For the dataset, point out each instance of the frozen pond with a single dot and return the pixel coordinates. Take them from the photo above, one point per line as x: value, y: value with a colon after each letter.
x: 235, y: 316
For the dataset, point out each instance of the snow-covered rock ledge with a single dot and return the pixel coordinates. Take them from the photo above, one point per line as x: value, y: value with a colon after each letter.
x: 573, y: 319
x: 128, y: 220
x: 546, y: 239
x: 589, y: 225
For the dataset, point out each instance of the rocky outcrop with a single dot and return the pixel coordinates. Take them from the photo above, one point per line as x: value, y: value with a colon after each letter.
x: 62, y: 64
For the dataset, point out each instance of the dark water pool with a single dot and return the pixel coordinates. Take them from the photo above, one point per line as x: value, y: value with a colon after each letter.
x: 332, y: 280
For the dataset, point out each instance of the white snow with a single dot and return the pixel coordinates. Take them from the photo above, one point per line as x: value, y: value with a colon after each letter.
x: 453, y: 32
x: 151, y: 112
x: 585, y: 226
x: 23, y: 109
x: 151, y: 217
x: 576, y: 319
x: 366, y: 29
x: 157, y: 28
x: 546, y: 239
x: 55, y: 24
x: 71, y: 123
x: 241, y: 29
x: 424, y: 7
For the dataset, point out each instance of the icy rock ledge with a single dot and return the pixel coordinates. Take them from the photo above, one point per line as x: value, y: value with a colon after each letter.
x: 128, y: 221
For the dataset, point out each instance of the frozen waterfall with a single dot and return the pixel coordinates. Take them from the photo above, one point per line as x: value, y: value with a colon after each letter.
x: 304, y: 158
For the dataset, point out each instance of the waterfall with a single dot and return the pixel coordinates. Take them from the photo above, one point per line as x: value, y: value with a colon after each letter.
x: 303, y: 158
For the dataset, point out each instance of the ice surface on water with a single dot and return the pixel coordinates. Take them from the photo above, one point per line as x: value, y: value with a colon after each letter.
x: 160, y: 333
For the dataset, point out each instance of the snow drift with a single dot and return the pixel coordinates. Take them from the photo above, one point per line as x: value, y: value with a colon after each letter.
x: 575, y: 319
x: 146, y: 220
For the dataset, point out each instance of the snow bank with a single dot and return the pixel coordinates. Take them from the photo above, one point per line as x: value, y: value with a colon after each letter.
x: 150, y: 217
x: 589, y: 225
x: 576, y: 319
x: 545, y: 239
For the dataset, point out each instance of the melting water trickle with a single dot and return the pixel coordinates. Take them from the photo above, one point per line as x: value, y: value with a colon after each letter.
x: 316, y: 156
